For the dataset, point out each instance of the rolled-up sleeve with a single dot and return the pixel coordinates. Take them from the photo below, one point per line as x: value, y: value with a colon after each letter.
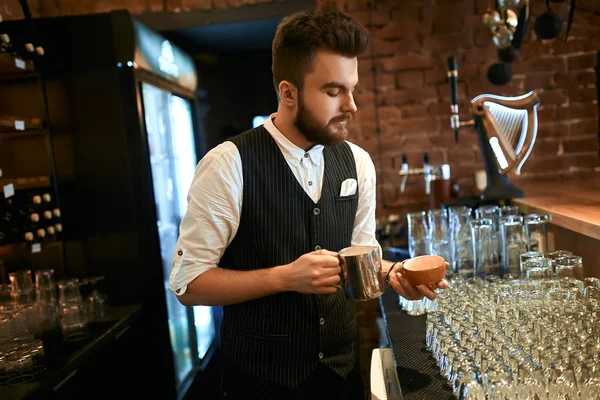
x: 212, y: 217
x: 363, y: 233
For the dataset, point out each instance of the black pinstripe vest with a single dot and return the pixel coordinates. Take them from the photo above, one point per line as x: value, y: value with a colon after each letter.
x: 282, y: 338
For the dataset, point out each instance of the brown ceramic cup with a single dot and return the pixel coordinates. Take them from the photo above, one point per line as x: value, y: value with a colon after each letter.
x: 425, y: 270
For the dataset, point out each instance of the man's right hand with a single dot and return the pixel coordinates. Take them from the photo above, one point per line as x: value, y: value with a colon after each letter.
x: 314, y: 272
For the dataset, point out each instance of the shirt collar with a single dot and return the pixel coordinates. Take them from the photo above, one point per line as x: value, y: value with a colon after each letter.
x: 290, y: 150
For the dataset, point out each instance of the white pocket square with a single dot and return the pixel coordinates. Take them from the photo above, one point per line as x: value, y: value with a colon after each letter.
x: 348, y: 187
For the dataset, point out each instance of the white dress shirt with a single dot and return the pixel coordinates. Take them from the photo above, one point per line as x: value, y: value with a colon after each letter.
x: 215, y: 203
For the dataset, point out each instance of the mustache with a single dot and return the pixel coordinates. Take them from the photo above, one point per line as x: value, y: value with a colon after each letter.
x: 342, y: 118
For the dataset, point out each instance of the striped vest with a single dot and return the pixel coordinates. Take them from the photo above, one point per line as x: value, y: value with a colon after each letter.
x: 282, y: 338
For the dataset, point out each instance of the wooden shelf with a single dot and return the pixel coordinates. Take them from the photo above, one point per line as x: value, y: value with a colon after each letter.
x: 19, y: 76
x: 573, y: 205
x: 11, y: 123
x: 27, y: 182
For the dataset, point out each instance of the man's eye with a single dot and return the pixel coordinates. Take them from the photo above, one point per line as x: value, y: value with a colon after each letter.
x: 334, y: 93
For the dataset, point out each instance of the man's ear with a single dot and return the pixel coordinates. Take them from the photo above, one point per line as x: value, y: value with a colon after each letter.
x: 288, y: 93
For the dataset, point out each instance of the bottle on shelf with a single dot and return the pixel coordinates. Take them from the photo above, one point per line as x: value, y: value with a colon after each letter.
x: 5, y: 44
x: 10, y: 59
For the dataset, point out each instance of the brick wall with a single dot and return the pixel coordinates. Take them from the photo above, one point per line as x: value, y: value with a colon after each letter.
x: 410, y: 99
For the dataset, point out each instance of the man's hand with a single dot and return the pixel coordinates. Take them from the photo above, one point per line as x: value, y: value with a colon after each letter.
x: 314, y: 272
x: 400, y: 284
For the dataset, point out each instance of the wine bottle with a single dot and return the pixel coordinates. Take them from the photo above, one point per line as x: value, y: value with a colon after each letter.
x: 5, y: 45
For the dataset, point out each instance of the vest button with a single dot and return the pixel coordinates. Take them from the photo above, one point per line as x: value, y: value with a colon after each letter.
x: 317, y: 247
x: 321, y: 355
x: 316, y: 211
x: 322, y: 321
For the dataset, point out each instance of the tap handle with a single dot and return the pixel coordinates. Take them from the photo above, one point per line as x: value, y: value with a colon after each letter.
x: 404, y: 159
x: 452, y: 80
x: 426, y: 158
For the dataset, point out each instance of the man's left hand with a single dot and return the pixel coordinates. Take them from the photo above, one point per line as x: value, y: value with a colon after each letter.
x: 402, y: 286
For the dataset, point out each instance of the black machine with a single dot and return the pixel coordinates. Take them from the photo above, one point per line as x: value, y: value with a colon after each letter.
x: 506, y: 128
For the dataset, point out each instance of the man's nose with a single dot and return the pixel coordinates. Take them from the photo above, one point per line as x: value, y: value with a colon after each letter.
x: 349, y: 105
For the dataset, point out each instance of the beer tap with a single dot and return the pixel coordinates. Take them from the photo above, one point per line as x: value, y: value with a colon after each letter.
x: 437, y: 180
x: 427, y: 171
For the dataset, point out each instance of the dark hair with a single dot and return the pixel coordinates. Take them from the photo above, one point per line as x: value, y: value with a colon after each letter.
x: 300, y: 35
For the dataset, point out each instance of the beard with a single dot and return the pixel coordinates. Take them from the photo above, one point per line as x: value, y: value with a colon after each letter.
x: 328, y: 135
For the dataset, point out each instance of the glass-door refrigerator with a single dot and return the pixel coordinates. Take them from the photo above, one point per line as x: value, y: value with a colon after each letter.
x: 169, y: 130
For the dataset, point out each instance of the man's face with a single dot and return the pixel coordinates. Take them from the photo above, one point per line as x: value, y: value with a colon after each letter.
x: 326, y: 103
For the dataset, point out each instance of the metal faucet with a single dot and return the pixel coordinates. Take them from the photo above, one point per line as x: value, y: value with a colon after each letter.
x: 429, y: 172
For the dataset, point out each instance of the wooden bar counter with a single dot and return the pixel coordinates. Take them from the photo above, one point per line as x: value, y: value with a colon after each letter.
x: 574, y: 208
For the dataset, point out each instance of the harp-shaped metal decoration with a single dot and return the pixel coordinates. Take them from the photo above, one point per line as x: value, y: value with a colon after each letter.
x: 506, y: 128
x: 511, y: 127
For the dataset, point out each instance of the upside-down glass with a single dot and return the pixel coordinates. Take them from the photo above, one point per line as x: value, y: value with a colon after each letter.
x: 536, y: 232
x: 512, y: 244
x: 485, y: 255
x: 461, y: 243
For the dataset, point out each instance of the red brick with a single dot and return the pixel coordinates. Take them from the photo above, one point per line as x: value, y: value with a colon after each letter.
x: 451, y: 41
x: 405, y: 11
x: 371, y: 144
x: 573, y: 45
x: 367, y: 98
x: 406, y: 62
x: 569, y: 79
x: 389, y: 113
x: 584, y: 127
x: 427, y: 14
x: 413, y: 111
x: 482, y: 36
x: 358, y: 5
x: 448, y: 25
x: 402, y: 29
x: 383, y: 81
x: 365, y: 65
x: 482, y: 6
x: 415, y: 126
x: 584, y: 61
x: 579, y: 110
x: 552, y: 97
x: 455, y: 8
x: 365, y: 113
x: 220, y: 4
x: 553, y: 128
x: 535, y: 49
x: 583, y: 94
x: 546, y: 146
x: 539, y: 81
x: 409, y: 79
x: 546, y: 112
x: 382, y: 48
x: 584, y: 32
x: 420, y: 95
x: 474, y: 21
x: 555, y: 65
x: 480, y: 55
x: 580, y: 144
x: 371, y: 18
x: 412, y: 195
